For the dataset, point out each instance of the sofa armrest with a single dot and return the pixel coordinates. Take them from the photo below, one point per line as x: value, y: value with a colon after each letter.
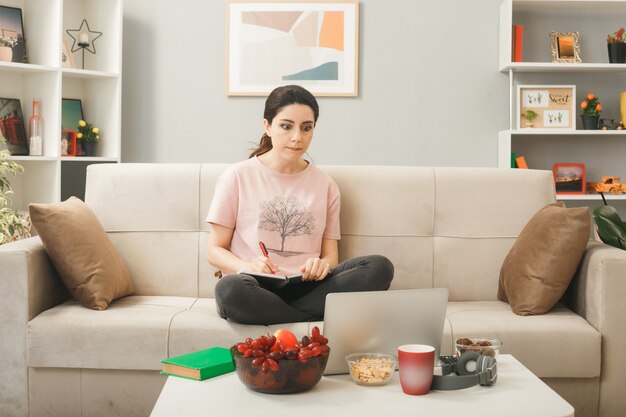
x: 597, y: 293
x: 29, y: 285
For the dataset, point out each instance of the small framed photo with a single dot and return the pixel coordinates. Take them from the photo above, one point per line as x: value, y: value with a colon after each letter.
x: 12, y: 43
x: 68, y: 142
x: 67, y: 59
x: 546, y: 107
x: 12, y: 126
x: 565, y: 47
x: 569, y: 178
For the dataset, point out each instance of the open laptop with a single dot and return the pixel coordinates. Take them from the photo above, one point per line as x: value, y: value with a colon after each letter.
x: 380, y: 321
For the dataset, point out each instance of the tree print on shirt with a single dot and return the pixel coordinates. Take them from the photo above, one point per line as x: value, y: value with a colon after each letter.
x: 287, y: 216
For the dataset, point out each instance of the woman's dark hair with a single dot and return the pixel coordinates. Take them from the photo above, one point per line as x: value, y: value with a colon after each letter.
x: 279, y: 98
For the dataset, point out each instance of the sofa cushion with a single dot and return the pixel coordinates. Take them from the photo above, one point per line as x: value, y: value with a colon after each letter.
x: 131, y: 334
x: 81, y: 252
x: 540, y: 265
x: 558, y: 344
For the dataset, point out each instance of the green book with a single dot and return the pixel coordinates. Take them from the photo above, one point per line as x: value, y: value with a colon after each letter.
x: 200, y: 365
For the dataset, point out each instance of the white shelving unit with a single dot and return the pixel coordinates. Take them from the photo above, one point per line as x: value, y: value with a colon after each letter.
x: 602, y: 152
x: 52, y: 178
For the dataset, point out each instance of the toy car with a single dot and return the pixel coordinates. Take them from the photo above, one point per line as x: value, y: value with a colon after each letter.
x: 608, y: 184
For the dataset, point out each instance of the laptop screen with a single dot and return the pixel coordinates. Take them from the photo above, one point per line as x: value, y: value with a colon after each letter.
x: 380, y: 321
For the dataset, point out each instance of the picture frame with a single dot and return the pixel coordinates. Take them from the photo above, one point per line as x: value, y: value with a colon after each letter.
x: 554, y: 107
x: 67, y: 59
x: 12, y: 126
x: 569, y: 178
x: 12, y: 28
x: 68, y: 142
x: 565, y: 47
x: 313, y: 43
x: 71, y: 113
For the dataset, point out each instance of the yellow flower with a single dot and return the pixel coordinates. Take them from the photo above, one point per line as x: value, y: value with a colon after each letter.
x: 95, y: 130
x: 79, y: 135
x: 82, y: 123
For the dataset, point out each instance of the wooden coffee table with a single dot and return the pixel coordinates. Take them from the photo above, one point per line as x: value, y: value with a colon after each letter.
x: 516, y: 393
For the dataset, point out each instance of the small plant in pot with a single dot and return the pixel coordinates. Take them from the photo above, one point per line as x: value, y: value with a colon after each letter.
x: 530, y: 115
x: 616, y: 45
x: 591, y: 109
x: 13, y: 225
x: 88, y: 135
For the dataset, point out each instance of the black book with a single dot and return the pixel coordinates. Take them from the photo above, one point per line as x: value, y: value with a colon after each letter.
x: 274, y: 281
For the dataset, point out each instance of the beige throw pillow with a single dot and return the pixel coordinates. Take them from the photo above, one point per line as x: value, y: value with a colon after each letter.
x: 81, y: 252
x: 540, y: 265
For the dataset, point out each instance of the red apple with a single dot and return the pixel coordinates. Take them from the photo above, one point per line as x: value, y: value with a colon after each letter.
x: 286, y: 338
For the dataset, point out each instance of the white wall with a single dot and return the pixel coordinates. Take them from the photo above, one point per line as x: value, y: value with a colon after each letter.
x: 429, y: 88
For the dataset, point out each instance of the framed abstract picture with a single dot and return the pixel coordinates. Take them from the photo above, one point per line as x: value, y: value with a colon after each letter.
x: 311, y: 43
x: 12, y: 126
x: 12, y: 44
x: 546, y: 107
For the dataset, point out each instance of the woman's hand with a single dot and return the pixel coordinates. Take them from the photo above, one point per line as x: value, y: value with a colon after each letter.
x: 263, y: 264
x: 315, y: 269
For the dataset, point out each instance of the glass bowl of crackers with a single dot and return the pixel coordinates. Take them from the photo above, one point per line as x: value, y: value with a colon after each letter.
x: 371, y: 368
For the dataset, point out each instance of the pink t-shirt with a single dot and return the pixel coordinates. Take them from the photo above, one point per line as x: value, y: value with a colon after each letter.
x: 291, y: 214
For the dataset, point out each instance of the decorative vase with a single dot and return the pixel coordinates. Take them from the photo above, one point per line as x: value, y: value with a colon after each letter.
x: 590, y: 122
x: 622, y: 106
x: 89, y: 148
x: 617, y: 53
x: 6, y: 54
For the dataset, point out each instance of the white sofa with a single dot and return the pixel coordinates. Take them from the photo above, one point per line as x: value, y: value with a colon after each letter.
x: 441, y: 227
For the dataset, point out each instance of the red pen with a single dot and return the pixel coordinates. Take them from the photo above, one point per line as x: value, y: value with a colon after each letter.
x: 264, y: 250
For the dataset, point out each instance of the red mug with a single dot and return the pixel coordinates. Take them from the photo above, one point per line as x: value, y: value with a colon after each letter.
x: 416, y: 364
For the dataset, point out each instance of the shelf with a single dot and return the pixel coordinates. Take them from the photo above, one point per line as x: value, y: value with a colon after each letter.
x: 52, y: 177
x: 587, y: 6
x: 34, y: 158
x: 17, y: 67
x: 87, y: 74
x: 88, y: 159
x: 563, y: 132
x: 590, y: 197
x: 563, y: 67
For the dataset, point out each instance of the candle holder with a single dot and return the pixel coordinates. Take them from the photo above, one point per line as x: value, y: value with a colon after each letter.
x: 84, y: 39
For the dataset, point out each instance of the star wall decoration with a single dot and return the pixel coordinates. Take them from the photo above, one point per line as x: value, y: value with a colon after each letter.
x: 84, y: 39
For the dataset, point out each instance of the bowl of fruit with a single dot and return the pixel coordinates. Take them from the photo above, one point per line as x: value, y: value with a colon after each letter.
x: 280, y: 363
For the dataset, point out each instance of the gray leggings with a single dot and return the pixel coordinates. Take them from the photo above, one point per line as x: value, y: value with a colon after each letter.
x: 240, y: 298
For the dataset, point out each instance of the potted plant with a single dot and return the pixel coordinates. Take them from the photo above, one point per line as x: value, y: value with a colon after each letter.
x: 88, y: 135
x: 591, y: 109
x: 616, y: 44
x: 530, y: 115
x: 13, y: 225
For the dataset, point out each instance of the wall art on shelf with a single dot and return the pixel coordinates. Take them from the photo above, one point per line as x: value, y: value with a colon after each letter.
x: 12, y: 43
x: 546, y: 107
x: 71, y: 113
x: 565, y: 47
x: 569, y: 178
x: 12, y: 126
x: 67, y: 59
x: 312, y: 43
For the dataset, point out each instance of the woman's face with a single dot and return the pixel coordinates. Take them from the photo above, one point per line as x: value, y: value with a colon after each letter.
x: 291, y: 131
